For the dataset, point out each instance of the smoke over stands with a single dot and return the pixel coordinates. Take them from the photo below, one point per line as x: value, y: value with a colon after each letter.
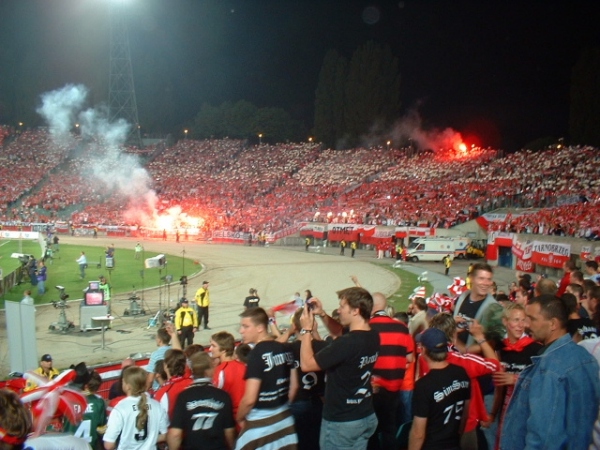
x: 120, y: 172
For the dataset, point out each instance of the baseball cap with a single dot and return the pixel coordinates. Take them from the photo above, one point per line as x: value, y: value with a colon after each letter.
x: 205, y: 282
x: 46, y: 358
x: 434, y: 340
x: 184, y: 300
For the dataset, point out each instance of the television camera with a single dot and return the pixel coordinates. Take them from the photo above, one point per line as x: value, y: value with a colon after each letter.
x: 62, y: 324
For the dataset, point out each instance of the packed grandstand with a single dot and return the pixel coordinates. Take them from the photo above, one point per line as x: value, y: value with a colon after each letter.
x: 234, y: 186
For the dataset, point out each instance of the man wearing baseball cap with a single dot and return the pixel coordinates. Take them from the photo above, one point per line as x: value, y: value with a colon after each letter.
x: 45, y: 370
x: 440, y: 398
x: 186, y: 323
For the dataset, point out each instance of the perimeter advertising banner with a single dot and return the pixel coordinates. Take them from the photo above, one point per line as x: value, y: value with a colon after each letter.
x: 236, y: 237
x: 402, y: 232
x: 550, y: 254
x: 347, y: 232
x: 378, y: 235
x: 6, y: 234
x: 315, y: 230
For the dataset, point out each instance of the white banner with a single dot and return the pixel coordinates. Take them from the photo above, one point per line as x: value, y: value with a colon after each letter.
x: 19, y: 234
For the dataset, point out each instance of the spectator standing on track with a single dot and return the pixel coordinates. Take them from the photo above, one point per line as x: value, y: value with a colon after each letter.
x: 252, y: 300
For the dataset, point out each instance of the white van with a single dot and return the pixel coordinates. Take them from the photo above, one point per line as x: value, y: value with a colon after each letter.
x: 435, y: 249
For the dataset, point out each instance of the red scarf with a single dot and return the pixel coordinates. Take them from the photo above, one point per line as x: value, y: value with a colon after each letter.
x: 518, y: 346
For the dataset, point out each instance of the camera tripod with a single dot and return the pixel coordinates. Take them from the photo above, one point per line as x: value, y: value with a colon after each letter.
x: 62, y: 324
x: 135, y: 308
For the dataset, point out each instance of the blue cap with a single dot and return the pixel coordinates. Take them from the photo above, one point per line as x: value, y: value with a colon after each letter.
x: 434, y: 340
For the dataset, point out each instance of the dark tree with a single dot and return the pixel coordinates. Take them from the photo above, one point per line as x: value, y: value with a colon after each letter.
x: 329, y: 99
x: 243, y: 120
x: 585, y: 99
x: 372, y: 95
x: 351, y: 98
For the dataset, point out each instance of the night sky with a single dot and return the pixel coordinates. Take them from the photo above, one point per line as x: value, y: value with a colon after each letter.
x: 499, y: 70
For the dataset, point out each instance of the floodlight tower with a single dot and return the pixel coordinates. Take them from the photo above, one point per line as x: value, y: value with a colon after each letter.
x: 121, y: 91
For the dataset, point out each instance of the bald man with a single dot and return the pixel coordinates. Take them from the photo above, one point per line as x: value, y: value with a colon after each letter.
x: 396, y: 349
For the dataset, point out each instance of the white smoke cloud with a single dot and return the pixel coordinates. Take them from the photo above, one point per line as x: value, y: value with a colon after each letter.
x: 95, y: 125
x: 59, y: 108
x: 119, y: 171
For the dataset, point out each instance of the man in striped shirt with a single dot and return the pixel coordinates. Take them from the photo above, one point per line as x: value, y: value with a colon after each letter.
x: 396, y: 349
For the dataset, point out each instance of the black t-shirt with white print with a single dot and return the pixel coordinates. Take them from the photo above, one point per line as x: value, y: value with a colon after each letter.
x: 203, y: 412
x: 251, y: 301
x: 270, y: 362
x: 311, y: 384
x: 348, y: 362
x: 440, y: 397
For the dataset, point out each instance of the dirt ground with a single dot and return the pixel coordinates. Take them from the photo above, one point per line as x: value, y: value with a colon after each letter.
x: 276, y: 272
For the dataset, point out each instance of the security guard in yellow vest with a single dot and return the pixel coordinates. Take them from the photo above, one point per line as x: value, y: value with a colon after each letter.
x: 186, y: 323
x: 203, y: 301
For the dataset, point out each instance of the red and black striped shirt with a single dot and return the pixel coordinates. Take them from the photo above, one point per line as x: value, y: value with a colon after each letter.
x: 395, y: 342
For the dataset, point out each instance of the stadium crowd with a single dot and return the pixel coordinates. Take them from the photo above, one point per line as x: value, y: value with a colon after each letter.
x: 439, y: 375
x: 236, y: 187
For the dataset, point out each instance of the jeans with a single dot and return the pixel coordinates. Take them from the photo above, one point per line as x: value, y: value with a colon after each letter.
x: 353, y: 435
x: 404, y: 411
x: 41, y: 287
x: 492, y: 430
